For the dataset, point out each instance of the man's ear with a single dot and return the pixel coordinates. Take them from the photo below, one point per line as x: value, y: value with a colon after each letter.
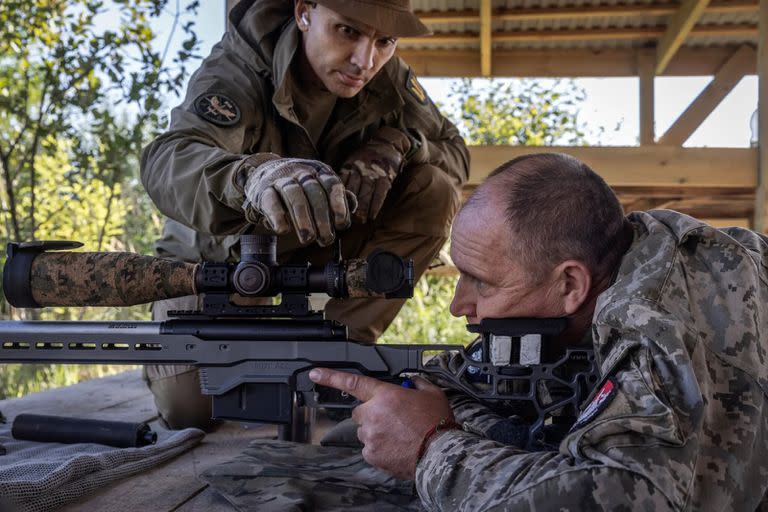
x: 574, y: 282
x: 301, y: 14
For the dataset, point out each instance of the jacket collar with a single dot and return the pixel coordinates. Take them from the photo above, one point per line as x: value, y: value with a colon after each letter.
x: 285, y: 50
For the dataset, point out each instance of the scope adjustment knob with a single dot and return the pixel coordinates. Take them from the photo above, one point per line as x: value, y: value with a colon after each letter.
x: 251, y: 278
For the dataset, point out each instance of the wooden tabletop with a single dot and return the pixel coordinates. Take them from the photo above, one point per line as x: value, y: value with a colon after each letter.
x: 174, y: 486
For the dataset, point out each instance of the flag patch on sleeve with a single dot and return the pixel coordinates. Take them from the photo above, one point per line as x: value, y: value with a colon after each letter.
x: 598, y: 404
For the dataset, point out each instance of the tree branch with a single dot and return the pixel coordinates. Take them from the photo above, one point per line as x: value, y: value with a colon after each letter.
x: 173, y: 30
x: 102, y: 231
x: 11, y: 197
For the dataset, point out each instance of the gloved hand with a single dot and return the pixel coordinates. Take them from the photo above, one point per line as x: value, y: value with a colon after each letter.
x: 370, y: 170
x: 303, y: 195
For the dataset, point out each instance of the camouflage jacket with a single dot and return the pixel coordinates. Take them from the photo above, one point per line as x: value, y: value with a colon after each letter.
x: 679, y: 420
x: 190, y: 170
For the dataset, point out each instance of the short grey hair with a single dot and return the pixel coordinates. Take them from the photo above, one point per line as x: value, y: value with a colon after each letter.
x: 557, y: 209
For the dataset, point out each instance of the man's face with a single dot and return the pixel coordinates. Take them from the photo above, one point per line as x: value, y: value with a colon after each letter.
x: 492, y: 284
x: 342, y: 53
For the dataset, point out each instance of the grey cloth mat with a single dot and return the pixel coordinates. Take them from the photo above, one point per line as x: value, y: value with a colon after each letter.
x: 40, y: 477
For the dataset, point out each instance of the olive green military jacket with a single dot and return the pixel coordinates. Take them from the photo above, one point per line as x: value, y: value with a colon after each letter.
x: 190, y: 171
x: 680, y: 419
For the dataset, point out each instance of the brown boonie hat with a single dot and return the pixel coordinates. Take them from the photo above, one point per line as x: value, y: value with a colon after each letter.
x: 394, y: 18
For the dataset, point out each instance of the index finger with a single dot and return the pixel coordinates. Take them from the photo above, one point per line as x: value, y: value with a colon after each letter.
x: 360, y: 386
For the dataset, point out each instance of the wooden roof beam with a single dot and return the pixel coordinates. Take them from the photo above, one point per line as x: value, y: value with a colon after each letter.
x: 669, y: 193
x: 679, y: 27
x: 602, y: 34
x: 564, y: 13
x: 634, y: 204
x: 721, y: 207
x: 726, y: 78
x: 486, y: 38
x: 641, y: 166
x: 526, y: 62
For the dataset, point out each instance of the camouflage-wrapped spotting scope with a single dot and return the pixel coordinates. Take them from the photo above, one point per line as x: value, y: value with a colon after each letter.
x: 254, y: 361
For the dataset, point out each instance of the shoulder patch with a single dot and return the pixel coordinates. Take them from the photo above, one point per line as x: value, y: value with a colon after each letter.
x: 217, y: 109
x: 598, y: 403
x: 414, y: 87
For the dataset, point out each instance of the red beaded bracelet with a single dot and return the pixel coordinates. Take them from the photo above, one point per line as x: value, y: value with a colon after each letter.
x: 442, y: 425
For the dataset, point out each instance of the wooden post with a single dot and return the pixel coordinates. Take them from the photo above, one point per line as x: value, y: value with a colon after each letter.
x: 486, y: 38
x: 646, y: 62
x: 761, y: 194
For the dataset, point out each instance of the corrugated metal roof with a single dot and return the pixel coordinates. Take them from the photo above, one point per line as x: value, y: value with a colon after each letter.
x: 723, y: 24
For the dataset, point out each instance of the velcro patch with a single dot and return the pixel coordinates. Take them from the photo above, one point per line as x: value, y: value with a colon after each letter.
x: 217, y: 109
x: 598, y: 403
x: 414, y: 87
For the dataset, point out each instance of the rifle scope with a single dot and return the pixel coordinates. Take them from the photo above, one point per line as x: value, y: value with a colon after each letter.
x: 33, y: 277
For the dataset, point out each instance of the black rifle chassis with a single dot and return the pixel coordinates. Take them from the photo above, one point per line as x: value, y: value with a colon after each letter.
x: 258, y: 370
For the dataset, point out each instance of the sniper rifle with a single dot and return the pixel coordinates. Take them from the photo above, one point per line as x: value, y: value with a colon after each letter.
x: 254, y: 360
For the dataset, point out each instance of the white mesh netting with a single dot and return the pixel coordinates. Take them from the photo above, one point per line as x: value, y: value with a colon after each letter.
x: 40, y: 477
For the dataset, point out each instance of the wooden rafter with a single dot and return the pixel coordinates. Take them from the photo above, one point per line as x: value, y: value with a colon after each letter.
x: 645, y: 68
x: 597, y: 11
x: 574, y: 62
x: 602, y: 34
x: 664, y: 193
x: 726, y: 78
x: 635, y: 204
x: 681, y: 24
x: 486, y: 41
x: 725, y: 207
x: 657, y: 166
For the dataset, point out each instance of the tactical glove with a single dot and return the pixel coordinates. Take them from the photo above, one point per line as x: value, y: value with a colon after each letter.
x: 303, y: 195
x: 370, y: 170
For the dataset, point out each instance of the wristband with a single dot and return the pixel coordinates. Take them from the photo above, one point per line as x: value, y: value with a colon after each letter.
x: 443, y: 425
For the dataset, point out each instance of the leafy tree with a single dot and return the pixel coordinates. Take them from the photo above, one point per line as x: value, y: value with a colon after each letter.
x: 17, y: 380
x: 425, y: 317
x: 81, y: 90
x: 520, y: 112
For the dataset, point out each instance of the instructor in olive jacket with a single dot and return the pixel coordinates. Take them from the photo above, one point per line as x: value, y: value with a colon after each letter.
x: 301, y: 122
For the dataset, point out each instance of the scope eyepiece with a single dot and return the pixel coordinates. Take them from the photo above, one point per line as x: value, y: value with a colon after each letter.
x: 387, y: 273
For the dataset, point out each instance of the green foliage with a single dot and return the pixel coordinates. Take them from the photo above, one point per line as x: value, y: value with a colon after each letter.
x: 425, y: 318
x: 20, y: 379
x: 65, y: 66
x: 519, y: 112
x: 96, y: 219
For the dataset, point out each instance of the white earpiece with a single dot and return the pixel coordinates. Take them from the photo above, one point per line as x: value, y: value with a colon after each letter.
x: 304, y: 19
